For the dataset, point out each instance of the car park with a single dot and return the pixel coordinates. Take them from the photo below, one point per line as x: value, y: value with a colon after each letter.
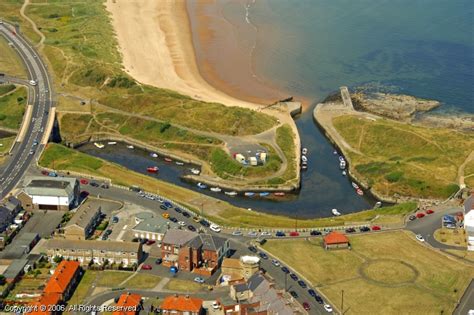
x: 315, y: 233
x: 215, y: 228
x: 147, y: 267
x: 275, y: 263
x: 420, y: 238
x: 293, y: 276
x: 263, y: 255
x: 237, y: 233
x: 199, y: 280
x: 253, y: 249
x: 280, y: 234
x: 376, y: 228
x: 285, y: 269
x: 328, y: 308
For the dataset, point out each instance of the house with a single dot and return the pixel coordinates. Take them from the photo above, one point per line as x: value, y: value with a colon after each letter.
x: 49, y: 193
x: 15, y: 270
x: 22, y: 245
x: 200, y: 253
x: 335, y: 240
x: 127, y: 254
x: 45, y: 300
x: 128, y: 304
x: 233, y: 269
x: 64, y: 279
x: 182, y: 305
x: 259, y: 296
x: 151, y: 228
x: 9, y: 209
x: 469, y: 228
x: 83, y: 223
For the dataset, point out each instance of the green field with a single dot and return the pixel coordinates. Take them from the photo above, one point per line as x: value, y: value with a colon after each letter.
x: 62, y: 158
x: 183, y: 285
x: 6, y: 143
x: 12, y: 108
x: 417, y: 280
x: 403, y: 159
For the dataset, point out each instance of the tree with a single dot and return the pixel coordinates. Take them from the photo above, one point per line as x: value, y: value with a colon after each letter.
x: 57, y: 259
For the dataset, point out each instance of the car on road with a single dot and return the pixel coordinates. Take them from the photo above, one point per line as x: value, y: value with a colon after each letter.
x: 45, y: 173
x: 312, y: 292
x: 350, y: 230
x: 199, y: 280
x: 104, y: 186
x: 429, y: 211
x: 185, y: 214
x: 173, y: 219
x: 263, y: 255
x: 294, y: 294
x: 84, y: 194
x: 32, y: 152
x: 306, y: 306
x: 237, y: 233
x: 285, y: 269
x: 293, y: 276
x: 412, y: 217
x: 364, y: 229
x: 165, y: 215
x: 191, y: 228
x: 376, y: 228
x: 302, y: 284
x: 315, y: 233
x: 253, y: 249
x: 420, y: 238
x: 420, y: 215
x: 275, y: 263
x: 162, y: 207
x: 280, y: 234
x: 178, y: 209
x: 147, y: 267
x: 33, y: 82
x: 328, y: 308
x: 158, y: 261
x: 319, y: 299
x: 115, y: 219
x: 252, y: 234
x: 294, y: 233
x: 84, y: 181
x: 215, y: 228
x: 182, y: 223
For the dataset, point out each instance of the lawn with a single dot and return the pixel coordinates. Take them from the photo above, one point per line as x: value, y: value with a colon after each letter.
x: 424, y: 164
x: 82, y: 290
x: 10, y: 62
x: 455, y: 237
x: 415, y: 280
x: 61, y: 158
x: 6, y: 143
x: 142, y: 281
x: 12, y: 108
x: 111, y: 278
x: 183, y: 285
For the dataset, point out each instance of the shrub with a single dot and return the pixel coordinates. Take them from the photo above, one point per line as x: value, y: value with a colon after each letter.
x: 165, y: 127
x: 394, y: 176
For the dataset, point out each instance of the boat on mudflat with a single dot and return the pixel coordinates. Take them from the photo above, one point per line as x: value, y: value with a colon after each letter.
x: 152, y: 169
x: 179, y: 163
x: 342, y: 165
x: 98, y: 145
x: 112, y: 142
x: 168, y: 160
x: 359, y: 192
x: 195, y: 171
x: 154, y: 155
x: 279, y: 194
x: 201, y: 185
x: 335, y: 212
x: 215, y: 189
x: 355, y: 185
x: 231, y: 193
x: 304, y: 151
x: 131, y: 147
x: 304, y: 158
x: 264, y: 194
x: 249, y: 194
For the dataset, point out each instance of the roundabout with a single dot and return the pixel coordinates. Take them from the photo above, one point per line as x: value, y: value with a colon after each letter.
x: 388, y: 272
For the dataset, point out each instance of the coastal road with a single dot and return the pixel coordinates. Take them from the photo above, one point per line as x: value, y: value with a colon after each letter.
x: 29, y: 148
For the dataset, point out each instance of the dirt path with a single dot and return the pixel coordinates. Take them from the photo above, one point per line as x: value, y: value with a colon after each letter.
x: 460, y: 177
x: 33, y: 24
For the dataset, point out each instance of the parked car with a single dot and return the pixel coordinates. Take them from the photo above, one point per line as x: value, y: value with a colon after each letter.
x: 158, y: 261
x: 376, y: 228
x: 253, y: 249
x: 204, y: 223
x: 167, y: 204
x: 199, y: 280
x: 328, y: 308
x: 319, y: 299
x: 265, y: 233
x: 173, y: 219
x: 196, y: 219
x: 364, y: 229
x: 306, y: 306
x: 105, y: 186
x: 350, y: 230
x: 315, y: 233
x: 280, y: 234
x: 302, y: 284
x: 215, y: 228
x: 185, y: 214
x: 420, y: 238
x: 84, y: 194
x: 429, y: 211
x: 94, y: 184
x: 252, y: 234
x: 412, y: 217
x: 294, y: 294
x: 45, y: 173
x: 312, y: 292
x: 263, y: 255
x: 420, y: 215
x: 115, y: 219
x: 178, y: 209
x: 182, y: 223
x: 215, y: 305
x: 275, y: 263
x: 147, y: 267
x: 150, y: 242
x: 294, y: 233
x: 162, y: 207
x: 261, y: 241
x: 104, y: 237
x: 108, y: 232
x: 165, y: 215
x: 285, y: 269
x: 237, y: 233
x: 191, y: 228
x: 293, y: 276
x: 83, y: 181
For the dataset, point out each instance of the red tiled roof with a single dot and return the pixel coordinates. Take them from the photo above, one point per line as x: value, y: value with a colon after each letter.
x: 44, y: 300
x: 62, y: 276
x: 129, y: 300
x: 181, y: 303
x: 335, y: 238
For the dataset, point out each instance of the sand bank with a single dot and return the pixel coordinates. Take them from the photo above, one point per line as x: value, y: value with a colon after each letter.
x: 156, y: 47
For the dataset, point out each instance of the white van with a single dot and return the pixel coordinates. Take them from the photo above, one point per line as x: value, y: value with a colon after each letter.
x: 33, y: 82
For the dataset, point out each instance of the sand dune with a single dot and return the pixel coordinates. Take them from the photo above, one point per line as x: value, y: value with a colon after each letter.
x: 156, y: 45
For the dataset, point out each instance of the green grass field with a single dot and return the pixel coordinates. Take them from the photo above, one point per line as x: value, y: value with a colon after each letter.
x: 10, y: 62
x: 62, y: 158
x: 404, y: 159
x: 183, y: 285
x: 6, y: 143
x: 12, y: 108
x: 416, y: 280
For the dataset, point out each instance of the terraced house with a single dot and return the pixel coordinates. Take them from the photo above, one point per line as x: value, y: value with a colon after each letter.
x: 83, y: 223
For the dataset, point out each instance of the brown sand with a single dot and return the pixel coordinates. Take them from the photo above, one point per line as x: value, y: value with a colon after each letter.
x: 156, y: 45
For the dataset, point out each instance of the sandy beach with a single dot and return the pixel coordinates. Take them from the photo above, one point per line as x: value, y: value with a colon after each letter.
x: 156, y: 46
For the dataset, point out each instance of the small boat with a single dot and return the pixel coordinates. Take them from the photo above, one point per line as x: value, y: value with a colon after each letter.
x: 130, y: 147
x: 249, y: 194
x: 304, y: 151
x: 152, y: 169
x: 99, y: 145
x: 201, y: 185
x: 179, y: 163
x: 216, y: 189
x: 378, y: 204
x: 355, y: 185
x: 112, y: 142
x: 154, y: 155
x: 264, y: 194
x: 341, y: 158
x: 359, y: 192
x: 344, y: 173
x: 342, y: 165
x: 279, y: 193
x: 334, y: 152
x: 195, y: 171
x: 167, y: 159
x: 335, y: 212
x: 304, y: 166
x: 231, y: 193
x: 304, y: 158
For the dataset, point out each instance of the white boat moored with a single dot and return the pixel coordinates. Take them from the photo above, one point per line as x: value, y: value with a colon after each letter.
x: 215, y: 189
x: 335, y: 212
x: 99, y: 145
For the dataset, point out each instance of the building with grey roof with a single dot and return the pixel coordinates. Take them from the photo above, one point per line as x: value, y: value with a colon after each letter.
x: 15, y: 270
x: 49, y: 193
x: 8, y: 210
x: 21, y: 246
x: 151, y: 227
x: 83, y: 222
x: 85, y: 251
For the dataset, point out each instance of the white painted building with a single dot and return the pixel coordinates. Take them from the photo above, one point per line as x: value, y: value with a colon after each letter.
x: 469, y: 228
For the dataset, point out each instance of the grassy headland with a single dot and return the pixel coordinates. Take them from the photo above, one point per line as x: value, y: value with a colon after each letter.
x: 403, y: 159
x: 61, y: 158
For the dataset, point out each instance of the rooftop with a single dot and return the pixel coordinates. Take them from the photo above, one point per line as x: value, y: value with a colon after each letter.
x: 178, y: 237
x: 15, y: 267
x: 128, y: 300
x: 49, y: 186
x: 154, y: 225
x: 45, y: 299
x: 335, y: 238
x: 62, y: 276
x: 181, y: 303
x: 208, y: 242
x: 84, y: 214
x: 93, y: 245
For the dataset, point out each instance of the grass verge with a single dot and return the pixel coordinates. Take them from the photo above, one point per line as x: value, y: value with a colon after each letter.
x: 6, y: 143
x: 12, y: 108
x: 183, y: 285
x: 143, y: 281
